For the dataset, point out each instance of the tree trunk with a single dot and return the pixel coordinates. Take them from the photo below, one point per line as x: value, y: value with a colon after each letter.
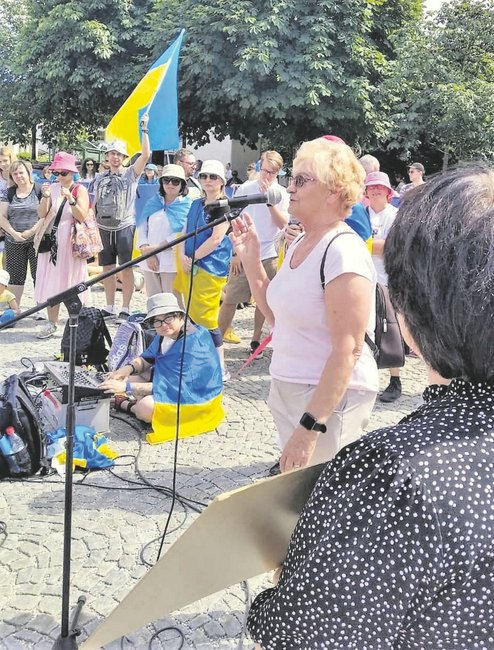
x: 33, y: 142
x: 445, y: 158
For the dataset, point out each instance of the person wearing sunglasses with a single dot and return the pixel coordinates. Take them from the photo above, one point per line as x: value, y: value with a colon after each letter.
x: 88, y: 170
x: 324, y: 379
x: 205, y: 258
x: 148, y: 387
x: 161, y: 220
x: 62, y: 202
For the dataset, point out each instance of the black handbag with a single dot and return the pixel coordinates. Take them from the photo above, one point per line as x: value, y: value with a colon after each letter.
x: 48, y: 243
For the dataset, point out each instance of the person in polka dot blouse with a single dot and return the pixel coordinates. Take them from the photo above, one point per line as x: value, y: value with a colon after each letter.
x: 394, y: 548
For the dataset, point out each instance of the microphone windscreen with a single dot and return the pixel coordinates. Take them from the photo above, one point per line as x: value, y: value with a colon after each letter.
x: 274, y: 195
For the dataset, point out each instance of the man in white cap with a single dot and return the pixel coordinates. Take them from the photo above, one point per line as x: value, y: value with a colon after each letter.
x: 114, y: 198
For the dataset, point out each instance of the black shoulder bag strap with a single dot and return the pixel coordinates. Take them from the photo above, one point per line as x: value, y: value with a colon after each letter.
x: 53, y: 234
x: 367, y: 338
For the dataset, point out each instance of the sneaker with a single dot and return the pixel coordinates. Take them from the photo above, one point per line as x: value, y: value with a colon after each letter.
x: 107, y: 314
x: 122, y: 317
x: 231, y: 337
x: 253, y: 347
x: 226, y: 376
x: 47, y: 332
x: 275, y: 470
x: 392, y: 392
x: 41, y: 315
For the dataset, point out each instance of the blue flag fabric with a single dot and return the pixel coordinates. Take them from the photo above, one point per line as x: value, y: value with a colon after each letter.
x: 155, y: 94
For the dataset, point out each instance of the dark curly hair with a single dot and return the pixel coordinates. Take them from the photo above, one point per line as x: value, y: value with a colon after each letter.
x: 439, y: 256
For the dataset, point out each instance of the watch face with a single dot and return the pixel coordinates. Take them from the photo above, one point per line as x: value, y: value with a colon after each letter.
x: 307, y: 421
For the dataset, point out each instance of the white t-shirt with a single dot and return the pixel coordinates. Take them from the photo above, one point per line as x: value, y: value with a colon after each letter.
x: 381, y: 223
x: 263, y: 221
x: 301, y: 342
x: 153, y: 231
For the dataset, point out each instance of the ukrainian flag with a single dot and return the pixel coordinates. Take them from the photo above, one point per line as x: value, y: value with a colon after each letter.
x: 201, y: 407
x: 155, y: 94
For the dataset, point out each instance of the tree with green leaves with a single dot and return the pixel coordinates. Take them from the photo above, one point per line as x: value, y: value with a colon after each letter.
x: 72, y: 65
x: 287, y: 70
x: 442, y: 83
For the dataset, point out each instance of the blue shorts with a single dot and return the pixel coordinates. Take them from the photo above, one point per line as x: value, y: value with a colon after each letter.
x: 117, y: 244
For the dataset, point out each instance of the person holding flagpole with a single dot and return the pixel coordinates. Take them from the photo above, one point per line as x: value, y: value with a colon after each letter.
x: 114, y: 198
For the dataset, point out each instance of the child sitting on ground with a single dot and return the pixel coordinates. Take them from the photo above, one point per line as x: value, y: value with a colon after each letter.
x: 8, y: 304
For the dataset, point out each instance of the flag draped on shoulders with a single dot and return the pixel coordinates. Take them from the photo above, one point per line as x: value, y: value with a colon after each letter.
x: 201, y: 407
x: 176, y: 211
x: 155, y: 94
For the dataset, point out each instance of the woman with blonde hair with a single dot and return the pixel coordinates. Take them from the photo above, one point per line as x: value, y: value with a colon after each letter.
x: 7, y: 157
x: 324, y: 377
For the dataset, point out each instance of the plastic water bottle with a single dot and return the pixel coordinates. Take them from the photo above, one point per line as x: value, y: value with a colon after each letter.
x: 19, y: 451
x: 8, y: 454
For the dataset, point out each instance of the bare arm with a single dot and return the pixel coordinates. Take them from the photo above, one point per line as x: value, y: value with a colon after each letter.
x: 348, y: 300
x: 81, y: 208
x: 141, y: 162
x: 212, y: 242
x: 378, y: 247
x: 5, y: 223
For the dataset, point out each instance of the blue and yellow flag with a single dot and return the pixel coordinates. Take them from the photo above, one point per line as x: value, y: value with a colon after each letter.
x: 201, y: 407
x: 155, y: 94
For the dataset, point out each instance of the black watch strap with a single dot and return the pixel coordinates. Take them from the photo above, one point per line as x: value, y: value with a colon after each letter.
x: 310, y: 423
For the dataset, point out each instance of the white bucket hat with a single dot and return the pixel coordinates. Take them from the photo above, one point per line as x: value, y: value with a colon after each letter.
x: 4, y: 277
x: 161, y: 304
x: 213, y: 167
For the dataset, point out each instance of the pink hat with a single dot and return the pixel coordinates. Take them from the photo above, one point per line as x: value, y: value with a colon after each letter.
x: 378, y: 178
x: 333, y: 138
x: 64, y: 162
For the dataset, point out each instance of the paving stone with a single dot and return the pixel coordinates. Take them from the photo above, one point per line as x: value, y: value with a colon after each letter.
x: 111, y: 526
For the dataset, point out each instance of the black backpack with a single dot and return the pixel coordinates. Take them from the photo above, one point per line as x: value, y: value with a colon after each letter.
x: 92, y: 338
x: 17, y: 410
x: 388, y: 347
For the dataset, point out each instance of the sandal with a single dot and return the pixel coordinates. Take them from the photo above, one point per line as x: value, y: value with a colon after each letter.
x: 123, y: 404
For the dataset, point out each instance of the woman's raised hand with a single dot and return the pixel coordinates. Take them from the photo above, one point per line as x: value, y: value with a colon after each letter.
x: 244, y: 238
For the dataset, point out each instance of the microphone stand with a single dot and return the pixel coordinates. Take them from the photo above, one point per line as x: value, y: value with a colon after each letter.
x: 70, y: 297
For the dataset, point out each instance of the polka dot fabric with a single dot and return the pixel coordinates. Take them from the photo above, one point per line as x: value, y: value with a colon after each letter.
x: 394, y: 549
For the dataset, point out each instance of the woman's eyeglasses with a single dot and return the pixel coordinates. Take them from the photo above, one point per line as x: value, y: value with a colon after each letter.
x: 89, y: 164
x: 300, y: 181
x: 64, y: 174
x: 158, y: 322
x: 212, y: 177
x: 174, y: 181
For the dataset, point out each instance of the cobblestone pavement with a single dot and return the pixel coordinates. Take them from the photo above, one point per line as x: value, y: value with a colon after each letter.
x: 113, y: 521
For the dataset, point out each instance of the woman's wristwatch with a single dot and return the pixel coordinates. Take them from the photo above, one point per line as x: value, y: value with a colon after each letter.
x: 134, y: 370
x: 310, y: 423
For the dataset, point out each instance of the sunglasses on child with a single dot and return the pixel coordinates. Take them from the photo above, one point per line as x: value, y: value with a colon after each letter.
x: 158, y: 322
x: 213, y: 177
x: 64, y: 174
x: 174, y: 181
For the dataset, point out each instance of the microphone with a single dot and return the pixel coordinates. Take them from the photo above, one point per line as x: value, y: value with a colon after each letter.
x: 271, y: 197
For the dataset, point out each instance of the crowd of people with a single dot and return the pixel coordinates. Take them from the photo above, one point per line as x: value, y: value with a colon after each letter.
x: 393, y: 548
